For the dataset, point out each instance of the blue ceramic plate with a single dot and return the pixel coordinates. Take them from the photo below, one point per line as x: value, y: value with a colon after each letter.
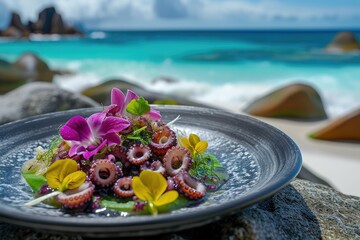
x: 259, y: 158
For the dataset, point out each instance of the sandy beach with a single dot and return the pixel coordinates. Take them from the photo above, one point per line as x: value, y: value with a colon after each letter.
x: 336, y: 162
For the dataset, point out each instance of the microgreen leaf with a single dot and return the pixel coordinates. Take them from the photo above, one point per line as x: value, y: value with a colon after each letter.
x: 138, y: 107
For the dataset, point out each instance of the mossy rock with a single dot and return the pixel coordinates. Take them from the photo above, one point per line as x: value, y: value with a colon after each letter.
x: 102, y: 92
x: 10, y: 77
x: 295, y: 101
x: 346, y: 128
x: 34, y: 68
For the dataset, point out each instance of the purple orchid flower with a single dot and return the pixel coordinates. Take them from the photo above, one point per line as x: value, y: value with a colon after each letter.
x: 119, y: 103
x: 89, y: 136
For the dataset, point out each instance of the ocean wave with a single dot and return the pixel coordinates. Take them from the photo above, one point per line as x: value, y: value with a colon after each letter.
x: 37, y: 37
x: 230, y: 96
x: 97, y: 35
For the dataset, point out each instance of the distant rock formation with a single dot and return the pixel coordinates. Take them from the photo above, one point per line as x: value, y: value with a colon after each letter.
x: 345, y: 128
x: 16, y: 29
x: 49, y: 22
x: 343, y: 42
x: 296, y: 101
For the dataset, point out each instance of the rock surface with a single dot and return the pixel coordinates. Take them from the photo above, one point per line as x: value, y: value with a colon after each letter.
x: 49, y: 22
x: 34, y: 68
x: 343, y: 42
x: 101, y: 93
x: 302, y: 210
x: 27, y: 68
x: 346, y: 128
x: 296, y: 101
x: 38, y: 98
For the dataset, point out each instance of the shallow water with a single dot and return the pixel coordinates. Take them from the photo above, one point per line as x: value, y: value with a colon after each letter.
x: 229, y: 68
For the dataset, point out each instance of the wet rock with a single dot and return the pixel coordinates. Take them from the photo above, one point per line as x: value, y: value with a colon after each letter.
x: 29, y: 67
x: 34, y: 68
x: 38, y: 98
x: 296, y: 101
x: 302, y: 210
x: 345, y: 128
x: 164, y: 79
x: 101, y: 93
x: 343, y: 42
x: 10, y: 77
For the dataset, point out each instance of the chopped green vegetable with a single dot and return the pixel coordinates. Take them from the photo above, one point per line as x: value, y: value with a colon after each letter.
x: 119, y: 206
x: 34, y: 181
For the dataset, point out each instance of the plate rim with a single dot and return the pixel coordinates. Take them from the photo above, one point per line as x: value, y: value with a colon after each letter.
x: 152, y: 224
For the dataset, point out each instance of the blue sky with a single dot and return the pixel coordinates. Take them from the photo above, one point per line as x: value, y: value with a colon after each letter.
x: 194, y: 14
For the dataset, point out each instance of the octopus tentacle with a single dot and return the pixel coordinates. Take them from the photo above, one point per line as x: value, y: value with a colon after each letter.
x: 138, y: 154
x: 157, y: 125
x: 155, y: 166
x: 191, y: 187
x: 142, y: 122
x: 104, y: 172
x: 177, y: 159
x: 122, y: 187
x: 162, y: 141
x: 76, y: 198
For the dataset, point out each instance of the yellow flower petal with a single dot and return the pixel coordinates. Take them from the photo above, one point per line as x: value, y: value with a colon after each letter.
x: 166, y: 198
x: 194, y: 139
x: 59, y: 170
x: 68, y: 166
x: 201, y: 147
x: 155, y: 182
x: 140, y: 190
x: 73, y: 180
x: 186, y: 144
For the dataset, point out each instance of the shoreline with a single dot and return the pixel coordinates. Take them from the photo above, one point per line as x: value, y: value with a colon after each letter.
x: 336, y: 162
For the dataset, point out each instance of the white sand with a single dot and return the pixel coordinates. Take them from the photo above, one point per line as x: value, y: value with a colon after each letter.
x: 336, y: 162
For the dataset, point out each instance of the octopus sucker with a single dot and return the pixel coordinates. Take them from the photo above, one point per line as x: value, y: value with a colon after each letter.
x: 155, y: 166
x: 103, y: 172
x: 122, y: 187
x: 177, y: 159
x: 191, y: 187
x: 138, y: 154
x: 76, y: 198
x: 162, y: 141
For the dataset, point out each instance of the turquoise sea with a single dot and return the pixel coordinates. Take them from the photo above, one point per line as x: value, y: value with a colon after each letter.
x: 223, y: 68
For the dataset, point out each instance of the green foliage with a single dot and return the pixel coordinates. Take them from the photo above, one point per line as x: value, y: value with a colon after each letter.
x: 139, y: 134
x: 39, y: 164
x: 138, y: 107
x: 48, y: 155
x: 111, y: 203
x: 208, y: 168
x: 180, y: 202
